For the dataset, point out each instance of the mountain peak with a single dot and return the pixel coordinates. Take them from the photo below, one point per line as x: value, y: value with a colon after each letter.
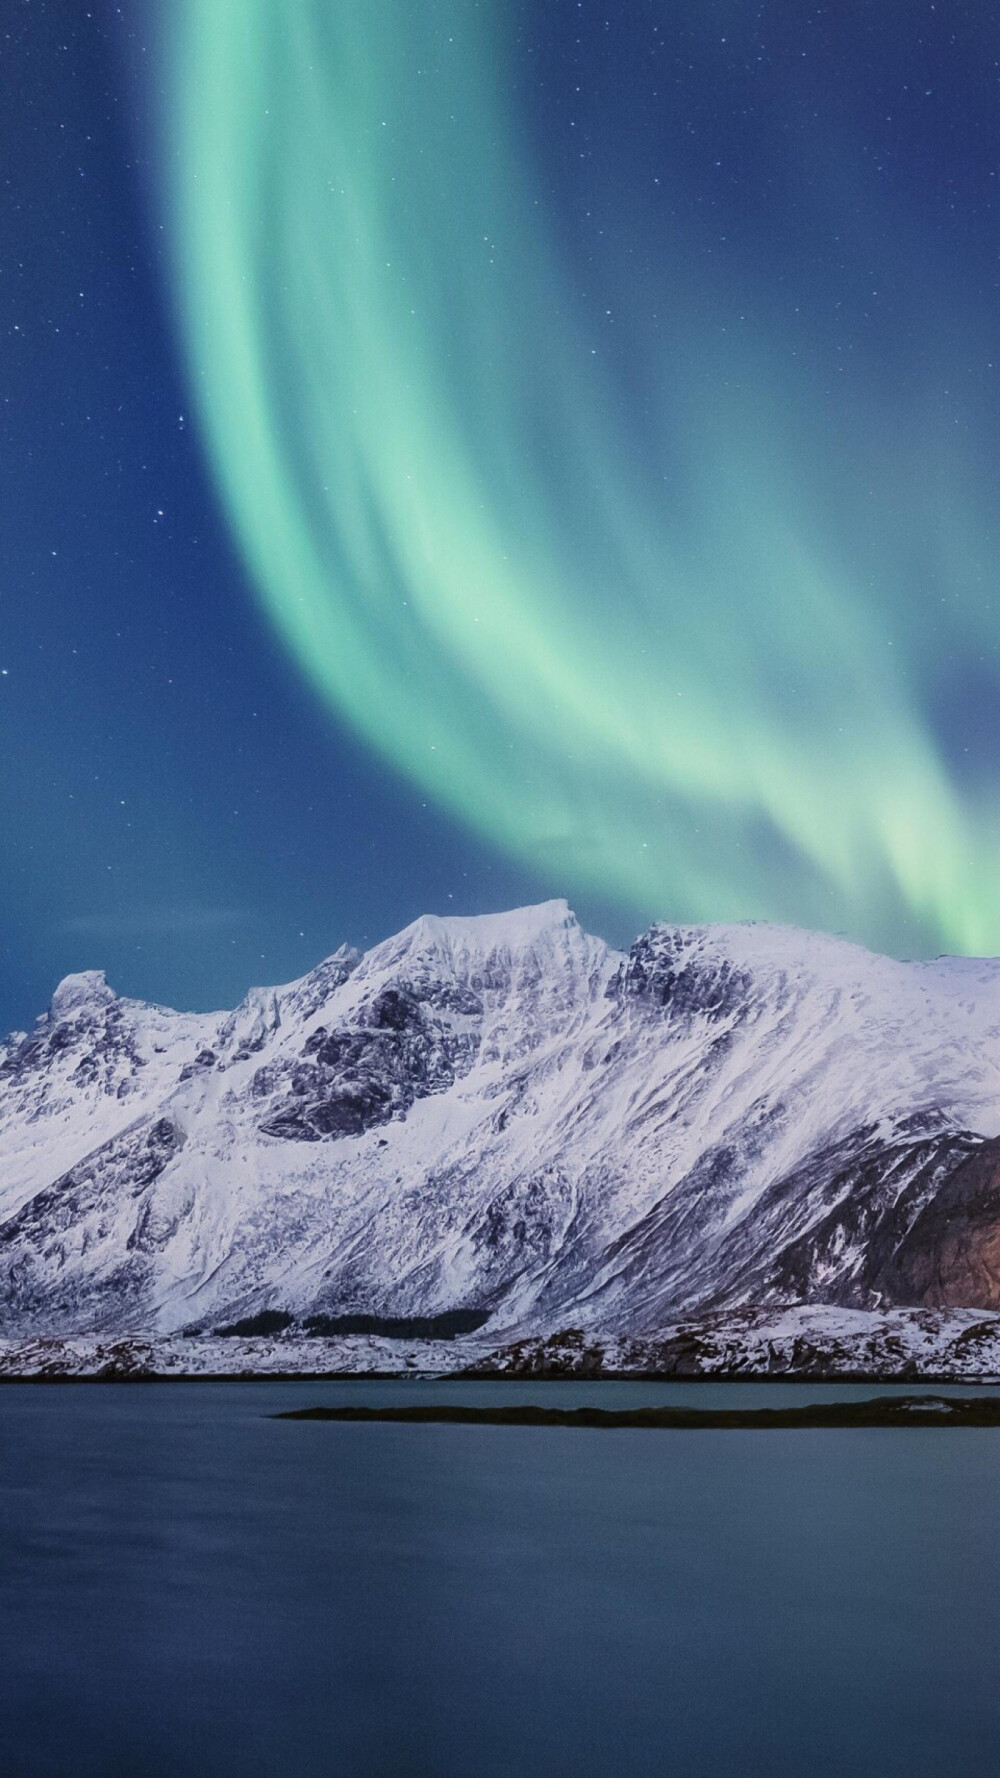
x: 88, y: 989
x: 463, y: 939
x: 512, y: 929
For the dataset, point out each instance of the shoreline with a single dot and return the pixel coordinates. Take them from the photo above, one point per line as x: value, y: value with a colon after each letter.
x: 803, y: 1343
x: 827, y: 1379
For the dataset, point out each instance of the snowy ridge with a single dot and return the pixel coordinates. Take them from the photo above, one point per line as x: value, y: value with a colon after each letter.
x: 501, y: 1115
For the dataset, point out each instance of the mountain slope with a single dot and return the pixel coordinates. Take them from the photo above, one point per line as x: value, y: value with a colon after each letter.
x: 504, y: 1116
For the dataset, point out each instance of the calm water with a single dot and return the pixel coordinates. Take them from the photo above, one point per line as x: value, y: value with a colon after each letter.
x: 189, y: 1587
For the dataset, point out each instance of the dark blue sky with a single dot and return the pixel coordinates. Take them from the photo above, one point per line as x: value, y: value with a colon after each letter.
x: 178, y: 808
x: 178, y: 805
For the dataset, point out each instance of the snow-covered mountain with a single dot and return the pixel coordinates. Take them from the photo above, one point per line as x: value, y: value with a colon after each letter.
x: 502, y: 1122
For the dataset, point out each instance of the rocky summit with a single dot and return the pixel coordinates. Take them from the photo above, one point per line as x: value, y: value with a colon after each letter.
x: 493, y: 1130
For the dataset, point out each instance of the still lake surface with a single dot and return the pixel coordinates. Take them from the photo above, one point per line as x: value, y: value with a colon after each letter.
x: 190, y: 1587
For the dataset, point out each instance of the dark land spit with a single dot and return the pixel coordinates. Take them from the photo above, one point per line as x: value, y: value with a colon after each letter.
x: 906, y: 1410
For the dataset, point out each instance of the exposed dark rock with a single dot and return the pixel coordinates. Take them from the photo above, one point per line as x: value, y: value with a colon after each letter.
x: 877, y: 1191
x: 356, y: 1077
x: 100, y: 1035
x: 661, y: 971
x: 204, y: 1060
x: 948, y: 1254
x: 569, y: 1353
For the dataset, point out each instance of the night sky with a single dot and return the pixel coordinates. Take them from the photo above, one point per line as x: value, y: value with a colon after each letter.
x: 457, y: 454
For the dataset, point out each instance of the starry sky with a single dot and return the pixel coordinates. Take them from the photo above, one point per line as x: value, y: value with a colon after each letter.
x: 462, y: 453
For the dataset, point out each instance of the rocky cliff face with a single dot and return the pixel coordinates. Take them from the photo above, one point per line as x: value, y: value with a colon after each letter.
x: 505, y: 1118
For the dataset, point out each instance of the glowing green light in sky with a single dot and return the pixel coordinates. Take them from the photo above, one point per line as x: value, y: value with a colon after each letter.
x: 649, y: 672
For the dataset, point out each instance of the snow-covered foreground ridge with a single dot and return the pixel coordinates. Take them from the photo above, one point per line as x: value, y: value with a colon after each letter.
x: 500, y: 1127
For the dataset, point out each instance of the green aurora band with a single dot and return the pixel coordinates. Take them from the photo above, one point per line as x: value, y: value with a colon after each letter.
x: 660, y: 676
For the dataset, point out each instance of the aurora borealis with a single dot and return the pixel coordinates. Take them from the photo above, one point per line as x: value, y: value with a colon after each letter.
x: 459, y: 453
x: 589, y: 552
